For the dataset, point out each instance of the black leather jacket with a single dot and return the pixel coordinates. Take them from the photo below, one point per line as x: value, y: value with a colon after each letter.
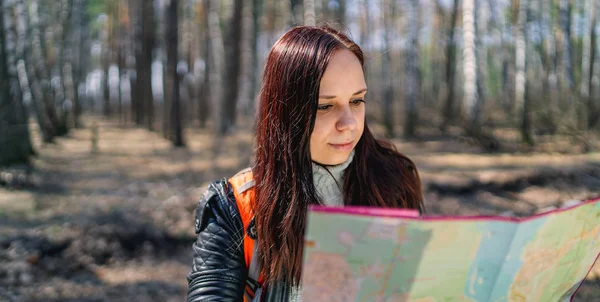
x: 219, y: 270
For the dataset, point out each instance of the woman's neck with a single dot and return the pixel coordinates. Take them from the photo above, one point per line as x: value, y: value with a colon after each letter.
x: 328, y: 181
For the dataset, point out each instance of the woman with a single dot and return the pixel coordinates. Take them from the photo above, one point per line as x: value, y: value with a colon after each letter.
x: 313, y: 146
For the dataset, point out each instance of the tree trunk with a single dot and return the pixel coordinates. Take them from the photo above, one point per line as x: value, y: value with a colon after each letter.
x: 15, y: 144
x: 296, y: 12
x: 436, y: 77
x: 118, y: 36
x: 146, y: 103
x: 469, y: 62
x: 205, y: 89
x: 66, y: 66
x: 522, y: 100
x: 448, y: 109
x: 340, y: 13
x: 257, y: 8
x: 549, y: 62
x: 481, y: 61
x: 567, y: 50
x: 318, y: 9
x: 42, y: 66
x: 473, y: 93
x: 593, y: 107
x: 215, y: 63
x: 27, y: 34
x: 136, y: 111
x: 413, y: 74
x: 176, y: 128
x: 309, y: 13
x: 39, y: 84
x: 32, y: 93
x: 386, y: 71
x: 325, y: 13
x: 232, y: 69
x: 80, y: 23
x: 161, y: 55
x: 587, y: 65
x: 107, y: 60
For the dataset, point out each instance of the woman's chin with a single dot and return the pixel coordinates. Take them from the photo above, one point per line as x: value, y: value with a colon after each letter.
x: 333, y: 160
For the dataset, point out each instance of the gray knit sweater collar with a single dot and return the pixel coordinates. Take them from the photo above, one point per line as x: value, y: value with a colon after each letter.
x: 329, y: 181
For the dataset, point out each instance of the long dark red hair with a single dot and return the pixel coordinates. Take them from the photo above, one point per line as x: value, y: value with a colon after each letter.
x: 377, y: 176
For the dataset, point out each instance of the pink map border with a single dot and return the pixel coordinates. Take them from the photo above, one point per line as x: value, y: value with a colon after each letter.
x: 414, y: 214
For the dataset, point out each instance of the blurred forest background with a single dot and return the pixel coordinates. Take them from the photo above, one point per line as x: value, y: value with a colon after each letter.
x: 115, y: 114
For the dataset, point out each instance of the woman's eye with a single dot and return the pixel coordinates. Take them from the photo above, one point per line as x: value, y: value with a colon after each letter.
x: 357, y: 102
x: 324, y: 107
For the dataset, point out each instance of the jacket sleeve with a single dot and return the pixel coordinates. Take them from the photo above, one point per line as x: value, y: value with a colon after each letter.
x: 218, y: 269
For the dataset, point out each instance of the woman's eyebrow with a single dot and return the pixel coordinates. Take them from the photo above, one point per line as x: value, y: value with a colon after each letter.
x: 333, y: 96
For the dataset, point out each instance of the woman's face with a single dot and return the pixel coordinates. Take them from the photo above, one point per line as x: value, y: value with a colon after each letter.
x: 341, y: 111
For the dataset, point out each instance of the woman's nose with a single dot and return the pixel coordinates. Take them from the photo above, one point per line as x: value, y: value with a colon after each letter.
x: 346, y: 120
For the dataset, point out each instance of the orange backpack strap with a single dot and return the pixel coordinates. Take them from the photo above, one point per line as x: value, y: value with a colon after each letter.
x: 243, y: 190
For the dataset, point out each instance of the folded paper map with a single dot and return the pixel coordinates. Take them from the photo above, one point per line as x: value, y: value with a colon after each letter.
x: 374, y: 254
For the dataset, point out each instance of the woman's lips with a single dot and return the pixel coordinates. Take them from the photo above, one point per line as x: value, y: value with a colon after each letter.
x: 342, y: 147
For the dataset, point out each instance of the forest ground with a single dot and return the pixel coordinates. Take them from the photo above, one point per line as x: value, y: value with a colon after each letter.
x: 117, y: 224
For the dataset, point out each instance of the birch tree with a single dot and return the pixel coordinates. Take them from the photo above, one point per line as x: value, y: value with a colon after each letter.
x: 522, y: 101
x: 27, y: 33
x: 469, y: 63
x: 473, y: 93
